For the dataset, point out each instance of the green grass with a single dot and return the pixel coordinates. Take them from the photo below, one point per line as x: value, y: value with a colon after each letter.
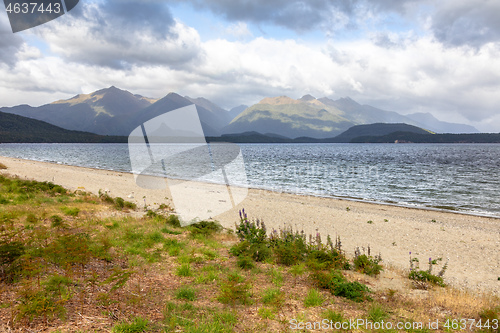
x: 313, y: 298
x: 376, y: 313
x: 186, y: 293
x: 271, y: 295
x: 70, y: 211
x: 184, y: 270
x: 137, y: 325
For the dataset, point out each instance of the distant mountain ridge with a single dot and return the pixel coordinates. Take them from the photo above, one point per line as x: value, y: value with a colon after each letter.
x: 324, y: 117
x: 113, y: 111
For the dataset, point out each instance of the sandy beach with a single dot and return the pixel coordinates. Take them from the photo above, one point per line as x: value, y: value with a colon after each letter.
x: 470, y: 243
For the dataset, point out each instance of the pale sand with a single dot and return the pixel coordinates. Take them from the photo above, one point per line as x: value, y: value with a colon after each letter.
x: 471, y: 243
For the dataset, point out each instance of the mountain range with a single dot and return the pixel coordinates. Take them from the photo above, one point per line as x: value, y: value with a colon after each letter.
x: 113, y: 111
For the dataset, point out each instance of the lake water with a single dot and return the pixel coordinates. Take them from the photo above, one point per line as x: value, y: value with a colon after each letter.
x: 462, y: 177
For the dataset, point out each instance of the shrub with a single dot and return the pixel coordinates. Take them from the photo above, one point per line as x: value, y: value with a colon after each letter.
x: 367, y: 265
x: 34, y: 303
x: 173, y: 220
x: 251, y: 231
x: 426, y: 276
x: 106, y: 198
x: 326, y: 259
x: 339, y: 286
x: 234, y: 289
x: 257, y: 251
x: 119, y: 203
x: 289, y: 246
x: 245, y: 262
x: 57, y: 221
x: 352, y: 290
x: 205, y: 228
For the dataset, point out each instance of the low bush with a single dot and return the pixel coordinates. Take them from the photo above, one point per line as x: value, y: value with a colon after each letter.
x: 367, y: 265
x: 426, y: 276
x: 339, y: 286
x: 234, y: 289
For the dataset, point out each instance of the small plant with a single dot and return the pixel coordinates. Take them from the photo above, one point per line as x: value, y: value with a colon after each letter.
x: 173, y: 220
x: 347, y: 209
x: 266, y: 313
x: 257, y: 251
x: 333, y: 316
x: 421, y: 277
x: 137, y: 325
x: 296, y: 271
x: 2, y: 166
x: 276, y: 276
x: 290, y: 247
x: 313, y: 298
x: 205, y: 228
x: 271, y: 296
x: 339, y: 286
x: 376, y: 313
x: 184, y: 270
x: 70, y: 211
x: 186, y: 293
x: 57, y: 221
x: 251, y: 231
x: 367, y: 265
x: 370, y: 222
x: 245, y: 262
x: 234, y: 289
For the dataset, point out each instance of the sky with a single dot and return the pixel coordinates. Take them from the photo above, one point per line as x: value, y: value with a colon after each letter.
x: 441, y: 57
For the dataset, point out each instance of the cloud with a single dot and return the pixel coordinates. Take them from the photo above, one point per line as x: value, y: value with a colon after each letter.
x: 120, y: 34
x: 238, y: 30
x: 295, y: 15
x: 467, y: 22
x: 10, y: 44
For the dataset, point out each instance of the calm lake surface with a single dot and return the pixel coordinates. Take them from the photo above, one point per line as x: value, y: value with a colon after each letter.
x: 462, y: 177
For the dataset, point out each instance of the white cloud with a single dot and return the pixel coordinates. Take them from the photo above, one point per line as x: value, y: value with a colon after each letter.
x: 238, y: 30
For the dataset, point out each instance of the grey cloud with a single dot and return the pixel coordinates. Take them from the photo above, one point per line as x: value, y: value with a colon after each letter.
x: 296, y: 15
x: 467, y: 22
x: 299, y: 15
x: 123, y: 33
x: 10, y: 44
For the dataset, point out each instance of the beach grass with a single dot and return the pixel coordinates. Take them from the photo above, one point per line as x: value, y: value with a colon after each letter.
x: 71, y: 261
